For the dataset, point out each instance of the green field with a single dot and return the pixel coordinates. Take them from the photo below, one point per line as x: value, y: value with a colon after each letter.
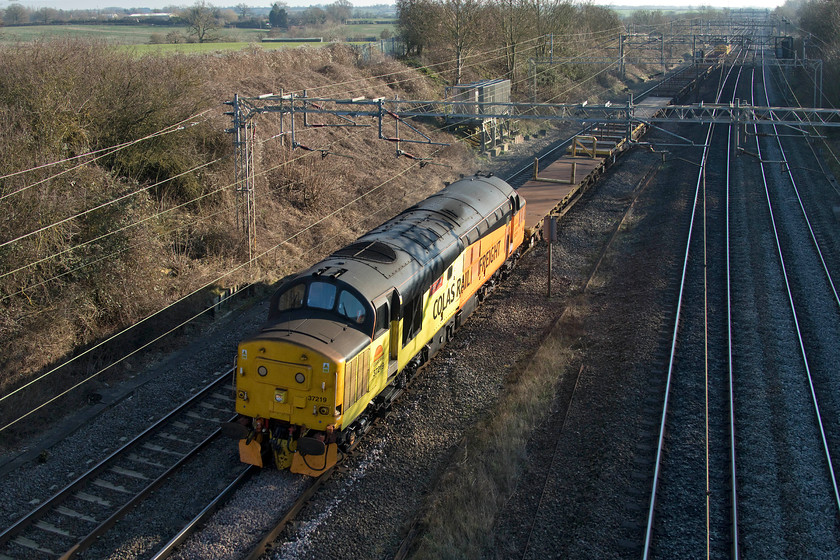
x: 120, y: 34
x: 144, y: 34
x: 367, y: 29
x: 195, y: 48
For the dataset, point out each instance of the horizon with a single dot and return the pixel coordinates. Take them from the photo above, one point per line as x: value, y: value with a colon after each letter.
x: 160, y: 4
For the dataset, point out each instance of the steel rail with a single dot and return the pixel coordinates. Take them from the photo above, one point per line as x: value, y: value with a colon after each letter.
x: 801, y: 341
x: 812, y: 134
x: 638, y: 189
x: 103, y: 527
x: 733, y: 475
x: 674, y: 337
x: 730, y: 361
x: 211, y: 508
x: 553, y: 454
x: 265, y: 543
x: 802, y: 207
x: 663, y: 420
x: 48, y: 505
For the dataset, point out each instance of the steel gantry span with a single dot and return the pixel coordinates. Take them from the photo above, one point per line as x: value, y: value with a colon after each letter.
x: 382, y: 110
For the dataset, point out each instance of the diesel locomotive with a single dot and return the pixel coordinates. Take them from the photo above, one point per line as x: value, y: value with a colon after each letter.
x: 343, y: 336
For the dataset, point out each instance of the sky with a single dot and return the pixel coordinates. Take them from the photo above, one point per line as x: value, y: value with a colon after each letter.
x: 158, y: 4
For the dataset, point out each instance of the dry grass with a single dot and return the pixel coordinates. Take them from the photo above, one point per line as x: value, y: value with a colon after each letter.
x: 484, y: 473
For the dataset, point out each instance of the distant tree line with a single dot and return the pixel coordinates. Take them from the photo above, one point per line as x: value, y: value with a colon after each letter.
x: 518, y: 29
x: 242, y: 15
x: 202, y: 18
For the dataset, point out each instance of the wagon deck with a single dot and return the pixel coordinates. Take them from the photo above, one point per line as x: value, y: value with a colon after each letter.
x: 552, y: 188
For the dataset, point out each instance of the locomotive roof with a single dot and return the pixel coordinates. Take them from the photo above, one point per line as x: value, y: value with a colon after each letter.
x: 413, y: 249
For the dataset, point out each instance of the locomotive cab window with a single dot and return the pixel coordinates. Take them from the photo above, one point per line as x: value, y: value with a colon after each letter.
x: 292, y: 298
x: 321, y: 295
x: 412, y: 319
x: 330, y: 298
x: 350, y: 307
x: 382, y: 323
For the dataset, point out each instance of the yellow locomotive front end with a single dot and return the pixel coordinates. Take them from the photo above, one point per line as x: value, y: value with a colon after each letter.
x: 289, y: 392
x: 290, y: 378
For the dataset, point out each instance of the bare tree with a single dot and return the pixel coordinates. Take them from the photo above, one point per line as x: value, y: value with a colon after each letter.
x: 244, y: 12
x: 279, y: 16
x: 414, y: 18
x: 599, y: 18
x: 45, y: 15
x: 515, y: 27
x: 340, y: 11
x: 313, y: 15
x: 460, y: 23
x: 227, y: 16
x: 202, y: 20
x: 16, y: 14
x: 821, y: 20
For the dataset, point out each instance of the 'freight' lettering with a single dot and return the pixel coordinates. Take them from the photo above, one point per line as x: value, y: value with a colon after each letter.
x: 488, y: 257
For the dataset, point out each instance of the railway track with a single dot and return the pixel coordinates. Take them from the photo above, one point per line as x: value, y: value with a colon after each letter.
x: 70, y: 521
x: 740, y: 459
x: 814, y: 308
x: 116, y: 485
x: 690, y: 504
x: 266, y: 542
x: 563, y: 415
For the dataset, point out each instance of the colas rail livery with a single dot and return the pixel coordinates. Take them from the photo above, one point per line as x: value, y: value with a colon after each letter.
x: 343, y: 336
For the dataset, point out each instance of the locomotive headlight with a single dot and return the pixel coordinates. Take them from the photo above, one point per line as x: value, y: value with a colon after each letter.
x: 262, y: 371
x: 324, y: 410
x: 299, y: 377
x: 242, y: 395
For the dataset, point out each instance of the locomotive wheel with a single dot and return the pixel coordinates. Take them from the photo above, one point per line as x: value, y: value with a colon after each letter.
x: 348, y: 438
